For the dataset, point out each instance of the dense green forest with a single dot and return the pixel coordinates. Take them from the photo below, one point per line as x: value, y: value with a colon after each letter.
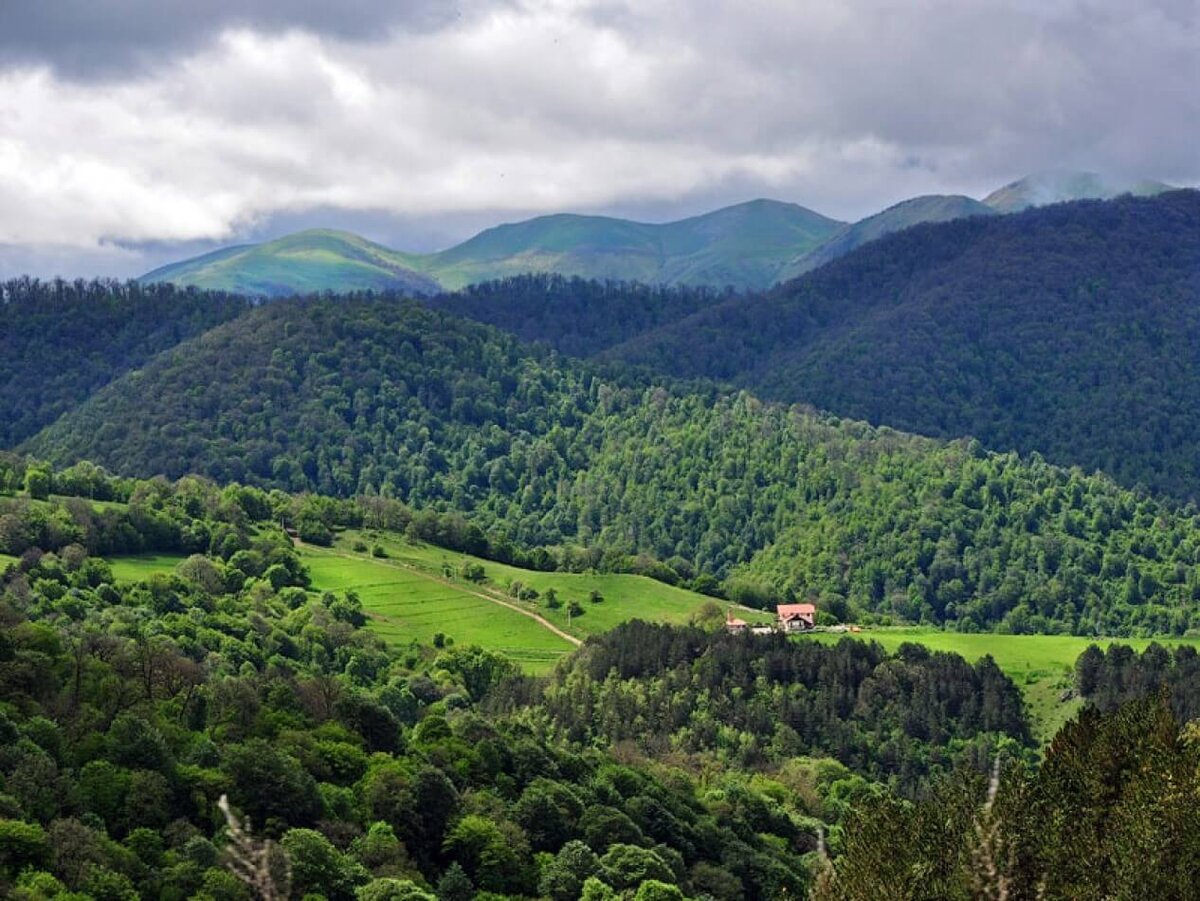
x: 372, y: 396
x: 766, y: 699
x: 659, y: 764
x: 1068, y: 330
x: 1110, y: 678
x: 61, y: 341
x: 576, y: 317
x: 381, y: 772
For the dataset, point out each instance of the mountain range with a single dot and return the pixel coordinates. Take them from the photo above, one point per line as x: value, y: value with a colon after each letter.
x: 749, y: 246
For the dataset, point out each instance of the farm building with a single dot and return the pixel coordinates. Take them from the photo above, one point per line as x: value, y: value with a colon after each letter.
x: 796, y: 617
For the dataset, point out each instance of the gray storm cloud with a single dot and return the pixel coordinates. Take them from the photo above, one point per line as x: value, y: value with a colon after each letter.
x: 133, y: 125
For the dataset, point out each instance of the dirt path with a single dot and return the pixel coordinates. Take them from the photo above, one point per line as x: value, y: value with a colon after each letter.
x: 540, y: 620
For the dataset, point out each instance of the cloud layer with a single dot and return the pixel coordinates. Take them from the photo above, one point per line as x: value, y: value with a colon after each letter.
x: 153, y: 127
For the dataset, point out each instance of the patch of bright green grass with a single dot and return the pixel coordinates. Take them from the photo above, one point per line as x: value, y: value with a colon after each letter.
x: 5, y: 560
x: 138, y: 567
x: 625, y: 596
x: 405, y: 604
x: 1042, y: 666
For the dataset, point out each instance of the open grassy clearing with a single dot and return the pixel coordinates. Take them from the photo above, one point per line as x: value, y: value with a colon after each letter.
x: 408, y: 605
x: 625, y: 596
x: 5, y: 560
x: 1043, y: 666
x: 137, y: 567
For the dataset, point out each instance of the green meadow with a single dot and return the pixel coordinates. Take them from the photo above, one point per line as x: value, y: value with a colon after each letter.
x: 405, y: 604
x: 1042, y: 665
x: 624, y: 596
x: 137, y: 567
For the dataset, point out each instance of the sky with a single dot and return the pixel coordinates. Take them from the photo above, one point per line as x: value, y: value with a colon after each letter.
x: 134, y: 132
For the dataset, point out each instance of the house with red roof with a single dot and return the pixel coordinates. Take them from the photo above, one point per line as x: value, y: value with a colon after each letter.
x: 796, y: 617
x: 733, y: 625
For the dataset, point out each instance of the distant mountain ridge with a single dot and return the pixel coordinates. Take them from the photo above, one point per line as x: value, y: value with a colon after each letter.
x: 744, y: 246
x: 907, y: 213
x: 1044, y: 188
x: 306, y: 262
x: 749, y: 246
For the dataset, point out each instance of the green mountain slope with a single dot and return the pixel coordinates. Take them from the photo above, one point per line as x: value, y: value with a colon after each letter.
x: 347, y: 396
x: 743, y: 246
x: 931, y: 208
x: 1069, y: 330
x: 1043, y: 188
x: 303, y: 263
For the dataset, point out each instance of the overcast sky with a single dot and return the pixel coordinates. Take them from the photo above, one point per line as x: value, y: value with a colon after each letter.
x: 137, y: 131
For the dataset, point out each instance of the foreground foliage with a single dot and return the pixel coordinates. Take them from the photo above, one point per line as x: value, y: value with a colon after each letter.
x: 1110, y: 813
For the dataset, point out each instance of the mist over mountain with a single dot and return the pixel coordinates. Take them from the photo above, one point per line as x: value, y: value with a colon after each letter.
x: 1057, y: 186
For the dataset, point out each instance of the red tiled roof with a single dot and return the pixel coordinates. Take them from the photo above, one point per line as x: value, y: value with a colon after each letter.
x: 788, y: 611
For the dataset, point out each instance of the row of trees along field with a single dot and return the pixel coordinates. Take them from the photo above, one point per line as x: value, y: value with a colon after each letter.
x: 374, y: 397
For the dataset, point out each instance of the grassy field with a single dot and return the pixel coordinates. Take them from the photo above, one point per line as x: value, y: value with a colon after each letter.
x: 141, y: 566
x: 625, y: 597
x: 5, y: 560
x: 406, y: 604
x: 1041, y: 665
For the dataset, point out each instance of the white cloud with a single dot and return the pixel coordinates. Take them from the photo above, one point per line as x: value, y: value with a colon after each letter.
x: 544, y: 105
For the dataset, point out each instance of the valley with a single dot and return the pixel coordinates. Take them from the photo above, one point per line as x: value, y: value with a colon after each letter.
x: 599, y: 451
x: 481, y: 548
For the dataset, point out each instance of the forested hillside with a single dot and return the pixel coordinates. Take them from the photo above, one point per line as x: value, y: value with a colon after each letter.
x: 348, y: 396
x: 1069, y: 330
x: 930, y: 208
x: 129, y: 711
x: 762, y: 700
x: 61, y: 341
x: 577, y: 317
